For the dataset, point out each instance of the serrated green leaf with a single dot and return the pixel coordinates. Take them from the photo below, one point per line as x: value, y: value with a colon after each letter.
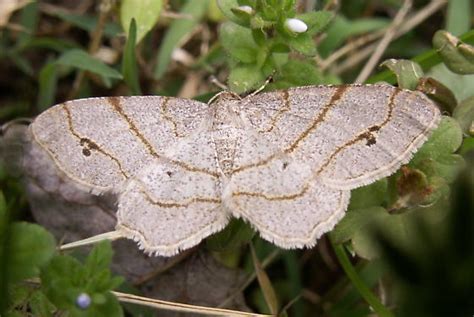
x: 82, y: 60
x: 238, y: 42
x: 145, y: 13
x: 129, y: 62
x: 31, y: 247
x: 176, y: 31
x: 245, y: 78
x: 354, y: 221
x: 408, y: 73
x: 464, y: 114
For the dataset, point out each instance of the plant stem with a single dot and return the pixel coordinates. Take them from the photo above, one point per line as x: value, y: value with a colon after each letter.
x: 358, y: 283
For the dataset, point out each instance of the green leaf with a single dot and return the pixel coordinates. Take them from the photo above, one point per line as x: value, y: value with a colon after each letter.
x: 29, y: 22
x: 354, y: 221
x: 408, y: 73
x: 61, y: 280
x: 447, y: 47
x: 426, y: 60
x: 438, y: 92
x: 227, y: 7
x: 464, y: 114
x: 446, y: 139
x: 467, y: 146
x: 40, y: 305
x: 30, y: 247
x: 238, y: 42
x: 109, y: 308
x: 460, y: 85
x: 297, y: 73
x: 177, y: 30
x: 129, y: 62
x: 65, y: 278
x: 89, y: 23
x: 316, y: 21
x: 145, y: 13
x: 48, y: 81
x: 82, y: 60
x: 368, y: 196
x: 235, y: 234
x: 303, y: 43
x: 458, y: 16
x: 245, y: 78
x: 399, y: 227
x: 435, y: 157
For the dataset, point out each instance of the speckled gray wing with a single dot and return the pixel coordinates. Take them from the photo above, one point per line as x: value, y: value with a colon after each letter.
x: 285, y: 203
x: 350, y: 135
x: 173, y: 204
x: 100, y: 142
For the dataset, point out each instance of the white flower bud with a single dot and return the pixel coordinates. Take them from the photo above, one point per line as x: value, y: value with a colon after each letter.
x: 296, y: 25
x: 246, y: 9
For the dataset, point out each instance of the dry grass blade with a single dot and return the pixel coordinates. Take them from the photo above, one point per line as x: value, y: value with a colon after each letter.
x: 185, y: 308
x: 265, y: 284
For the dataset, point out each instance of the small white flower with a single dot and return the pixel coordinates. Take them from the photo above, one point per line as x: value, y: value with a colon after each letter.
x: 83, y: 301
x: 296, y: 25
x: 246, y: 9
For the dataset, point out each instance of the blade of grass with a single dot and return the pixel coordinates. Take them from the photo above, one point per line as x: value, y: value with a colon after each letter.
x: 129, y: 62
x: 265, y: 284
x: 177, y: 31
x: 48, y: 81
x: 358, y: 283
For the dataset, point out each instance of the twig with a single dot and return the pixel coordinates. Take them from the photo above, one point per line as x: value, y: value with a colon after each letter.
x: 382, y: 46
x: 411, y: 23
x: 349, y: 47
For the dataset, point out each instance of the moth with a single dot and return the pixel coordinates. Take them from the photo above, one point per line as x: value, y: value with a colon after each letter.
x: 284, y: 161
